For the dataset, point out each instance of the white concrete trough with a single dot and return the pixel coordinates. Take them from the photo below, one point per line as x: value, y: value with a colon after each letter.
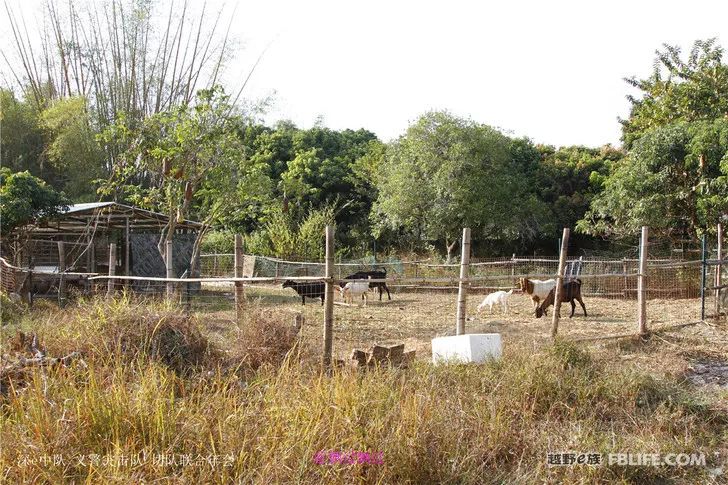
x: 476, y: 347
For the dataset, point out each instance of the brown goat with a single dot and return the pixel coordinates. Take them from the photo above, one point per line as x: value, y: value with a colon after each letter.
x: 570, y: 291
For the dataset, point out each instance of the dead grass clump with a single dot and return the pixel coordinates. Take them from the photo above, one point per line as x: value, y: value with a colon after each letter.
x: 121, y: 330
x: 264, y: 340
x: 11, y: 310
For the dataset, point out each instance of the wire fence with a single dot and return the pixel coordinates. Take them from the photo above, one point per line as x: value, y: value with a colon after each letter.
x: 606, y: 278
x: 411, y: 301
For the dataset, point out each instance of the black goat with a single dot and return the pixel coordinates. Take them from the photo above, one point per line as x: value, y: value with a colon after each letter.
x: 311, y: 289
x: 570, y: 291
x: 375, y: 275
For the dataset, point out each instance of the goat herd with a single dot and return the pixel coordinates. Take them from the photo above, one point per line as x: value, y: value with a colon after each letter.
x: 542, y: 293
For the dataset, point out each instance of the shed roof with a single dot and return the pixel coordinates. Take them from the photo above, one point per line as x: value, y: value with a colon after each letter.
x: 78, y: 217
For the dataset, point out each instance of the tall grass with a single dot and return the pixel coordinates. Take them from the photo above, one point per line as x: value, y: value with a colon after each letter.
x: 491, y: 423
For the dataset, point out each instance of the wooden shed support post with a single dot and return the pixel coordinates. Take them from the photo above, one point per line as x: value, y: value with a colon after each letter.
x: 559, y: 282
x: 61, y: 276
x: 642, y: 284
x: 112, y: 270
x: 239, y: 291
x: 463, y: 283
x: 127, y: 253
x: 717, y: 271
x: 329, y: 300
x: 169, y: 263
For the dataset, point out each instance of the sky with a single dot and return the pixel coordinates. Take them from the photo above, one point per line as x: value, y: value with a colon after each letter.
x: 552, y: 71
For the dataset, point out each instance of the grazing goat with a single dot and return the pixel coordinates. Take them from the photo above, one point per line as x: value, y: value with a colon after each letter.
x: 311, y: 289
x: 570, y: 291
x: 495, y: 298
x: 375, y: 275
x: 537, y: 289
x: 354, y: 289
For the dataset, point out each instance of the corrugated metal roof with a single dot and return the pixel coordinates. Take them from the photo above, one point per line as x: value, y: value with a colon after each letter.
x: 91, y: 206
x: 86, y: 206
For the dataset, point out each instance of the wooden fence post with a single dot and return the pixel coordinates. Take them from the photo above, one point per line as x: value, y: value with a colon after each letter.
x: 642, y: 284
x: 112, y: 270
x: 329, y: 300
x: 559, y: 282
x: 717, y: 270
x: 61, y: 276
x: 624, y: 271
x: 169, y: 263
x: 703, y: 276
x: 127, y: 253
x: 239, y: 292
x: 463, y: 283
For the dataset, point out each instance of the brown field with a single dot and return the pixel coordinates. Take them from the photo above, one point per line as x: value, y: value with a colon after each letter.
x: 155, y: 381
x: 414, y: 318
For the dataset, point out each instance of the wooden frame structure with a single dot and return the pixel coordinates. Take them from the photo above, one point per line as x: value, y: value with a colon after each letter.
x: 88, y: 229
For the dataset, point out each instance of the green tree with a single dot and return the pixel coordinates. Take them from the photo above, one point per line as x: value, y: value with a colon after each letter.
x: 447, y: 173
x: 679, y: 89
x: 71, y: 147
x: 21, y: 138
x: 190, y: 157
x: 674, y: 176
x: 25, y: 201
x: 673, y: 180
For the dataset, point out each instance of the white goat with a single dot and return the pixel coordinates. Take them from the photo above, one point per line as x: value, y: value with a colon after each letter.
x: 538, y: 290
x: 495, y: 298
x: 355, y: 289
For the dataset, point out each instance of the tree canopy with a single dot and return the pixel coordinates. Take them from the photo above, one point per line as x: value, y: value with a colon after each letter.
x: 26, y: 200
x: 156, y: 129
x: 674, y: 176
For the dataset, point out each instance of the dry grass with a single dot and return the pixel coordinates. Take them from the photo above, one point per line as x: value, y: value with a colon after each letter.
x: 490, y: 423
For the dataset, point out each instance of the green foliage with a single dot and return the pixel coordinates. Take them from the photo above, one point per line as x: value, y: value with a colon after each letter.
x: 183, y: 161
x: 72, y: 148
x: 21, y: 137
x: 219, y: 242
x: 673, y: 180
x: 679, y: 89
x: 447, y: 173
x: 567, y: 180
x: 287, y: 237
x: 25, y: 200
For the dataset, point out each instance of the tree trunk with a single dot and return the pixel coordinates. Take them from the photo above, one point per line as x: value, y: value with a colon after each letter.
x: 450, y: 248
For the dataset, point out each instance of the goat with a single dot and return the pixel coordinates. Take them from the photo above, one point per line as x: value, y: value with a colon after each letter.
x: 375, y: 275
x: 537, y: 289
x: 354, y: 289
x: 570, y: 291
x: 311, y: 289
x: 495, y: 298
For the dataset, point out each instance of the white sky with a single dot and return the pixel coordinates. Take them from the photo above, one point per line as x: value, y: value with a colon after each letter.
x: 550, y: 70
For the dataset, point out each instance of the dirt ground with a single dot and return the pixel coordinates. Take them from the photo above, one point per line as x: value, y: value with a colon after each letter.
x: 414, y: 318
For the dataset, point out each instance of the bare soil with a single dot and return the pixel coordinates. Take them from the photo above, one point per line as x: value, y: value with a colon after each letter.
x: 414, y: 318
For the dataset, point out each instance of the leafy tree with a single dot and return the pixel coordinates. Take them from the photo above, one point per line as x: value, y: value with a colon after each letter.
x: 679, y: 89
x: 284, y: 237
x: 190, y: 156
x: 674, y: 177
x: 566, y: 181
x: 21, y: 137
x: 71, y: 147
x: 446, y: 173
x: 25, y: 201
x: 673, y: 180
